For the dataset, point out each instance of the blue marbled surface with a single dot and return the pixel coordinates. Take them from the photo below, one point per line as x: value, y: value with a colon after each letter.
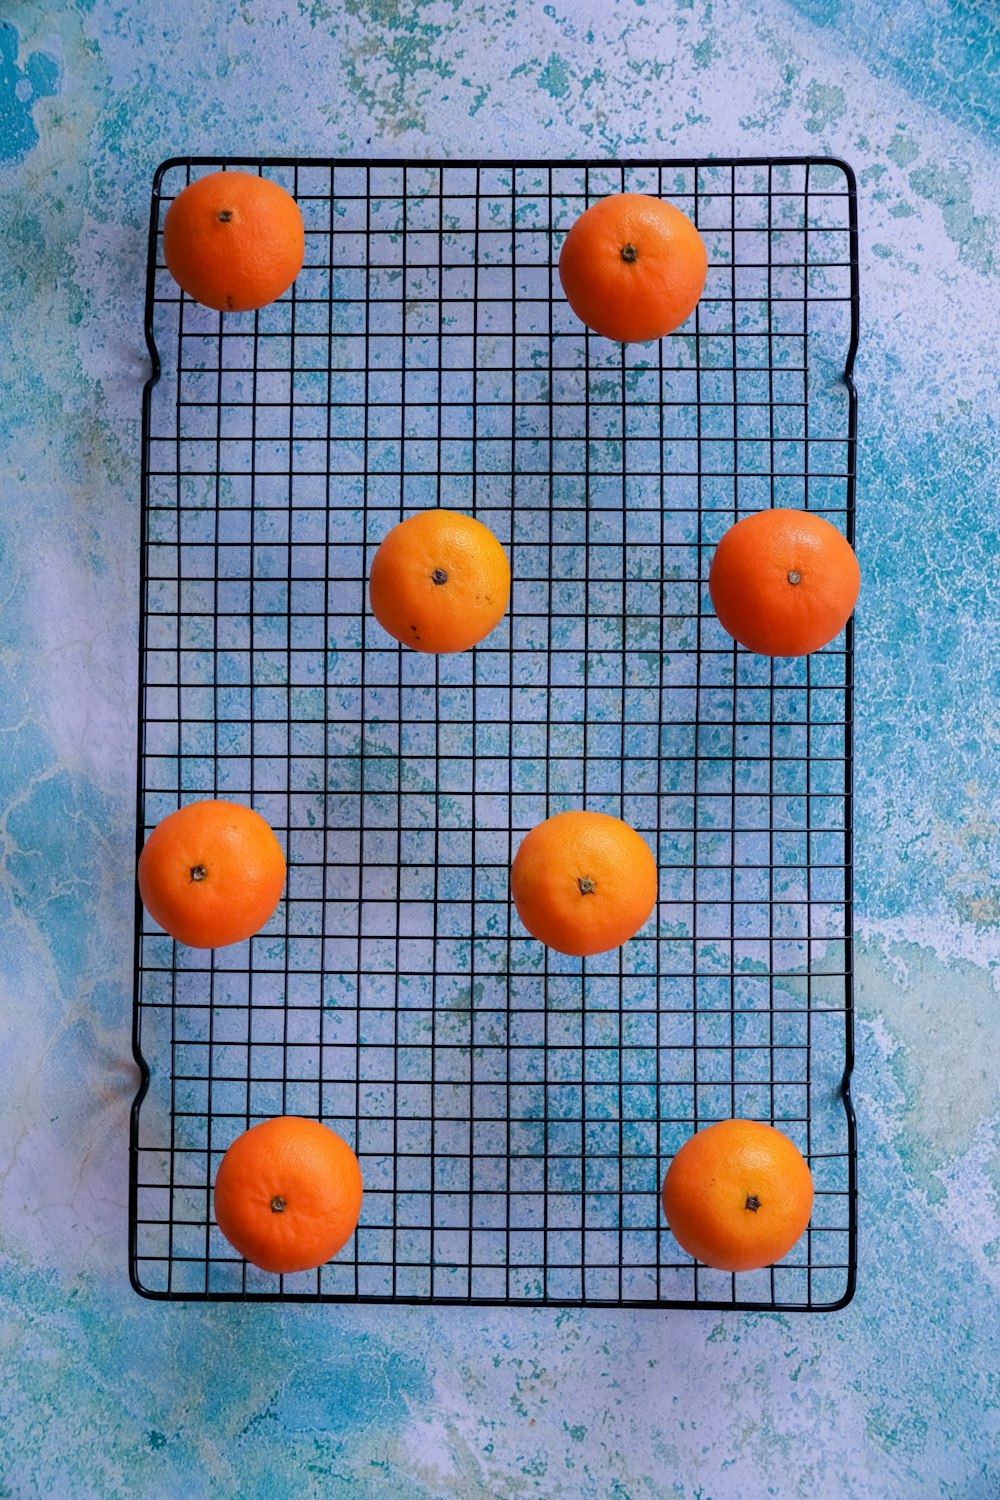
x: 104, y: 1394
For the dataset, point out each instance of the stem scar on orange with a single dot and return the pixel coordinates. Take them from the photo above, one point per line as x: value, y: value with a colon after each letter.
x: 784, y: 582
x: 211, y: 873
x: 633, y: 267
x: 440, y: 581
x: 234, y: 241
x: 288, y: 1194
x: 583, y: 882
x: 738, y: 1195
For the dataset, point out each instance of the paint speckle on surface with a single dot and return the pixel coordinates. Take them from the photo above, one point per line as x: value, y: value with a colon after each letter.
x: 21, y: 87
x: 903, y: 150
x: 973, y: 233
x: 553, y: 77
x: 826, y: 104
x: 105, y: 1394
x: 944, y: 55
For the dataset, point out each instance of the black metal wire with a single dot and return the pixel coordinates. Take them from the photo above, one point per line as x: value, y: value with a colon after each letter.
x: 514, y: 1111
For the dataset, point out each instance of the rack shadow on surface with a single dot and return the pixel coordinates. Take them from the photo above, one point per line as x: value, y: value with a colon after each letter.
x: 514, y: 1111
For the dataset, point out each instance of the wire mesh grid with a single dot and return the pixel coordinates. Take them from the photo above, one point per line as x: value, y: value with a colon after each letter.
x: 513, y: 1110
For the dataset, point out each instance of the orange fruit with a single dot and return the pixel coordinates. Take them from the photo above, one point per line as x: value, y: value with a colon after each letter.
x: 784, y: 582
x: 288, y: 1194
x: 440, y: 581
x: 738, y: 1195
x: 583, y: 882
x: 234, y: 241
x: 211, y: 873
x: 633, y: 267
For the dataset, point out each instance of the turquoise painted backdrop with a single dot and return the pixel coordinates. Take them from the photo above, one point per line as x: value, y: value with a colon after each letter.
x: 104, y: 1394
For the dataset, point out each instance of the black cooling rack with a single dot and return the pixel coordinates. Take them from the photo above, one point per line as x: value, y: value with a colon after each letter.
x: 514, y: 1111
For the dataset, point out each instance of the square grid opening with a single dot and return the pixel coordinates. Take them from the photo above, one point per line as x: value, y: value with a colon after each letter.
x: 514, y: 1111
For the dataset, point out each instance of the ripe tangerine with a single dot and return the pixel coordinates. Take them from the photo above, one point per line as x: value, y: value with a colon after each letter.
x: 738, y: 1195
x: 633, y: 267
x: 784, y: 582
x: 211, y: 873
x: 288, y: 1194
x: 440, y: 581
x: 583, y: 882
x: 234, y: 241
